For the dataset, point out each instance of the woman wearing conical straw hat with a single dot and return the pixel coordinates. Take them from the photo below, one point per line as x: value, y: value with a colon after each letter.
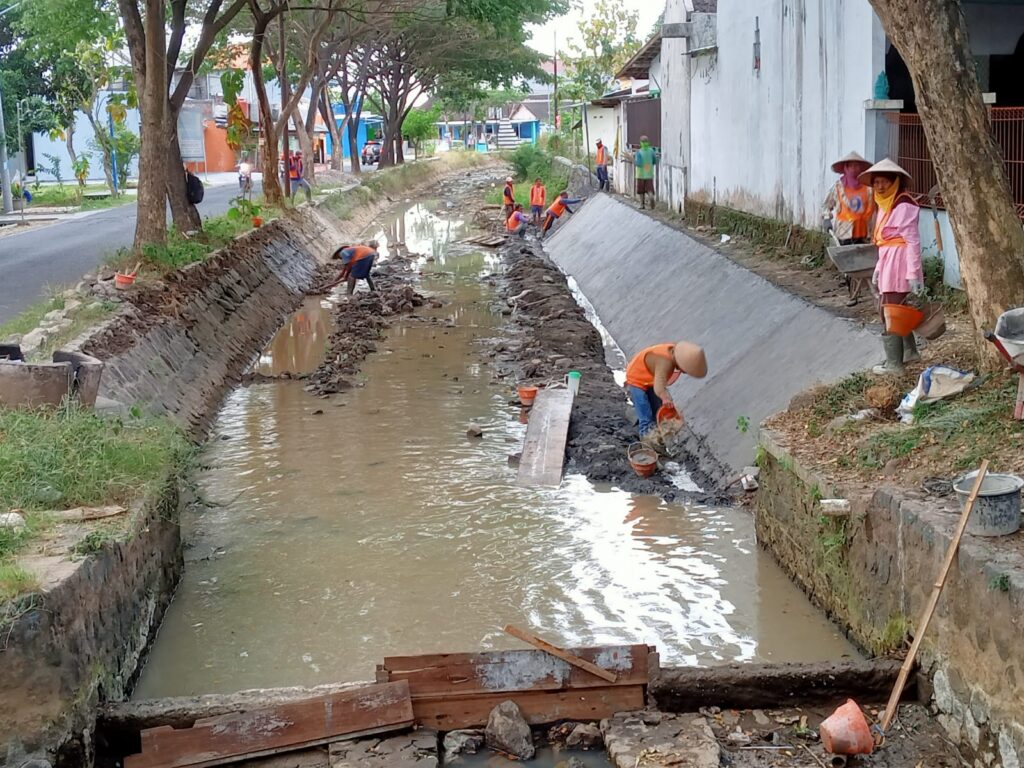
x: 849, y: 206
x: 898, y: 272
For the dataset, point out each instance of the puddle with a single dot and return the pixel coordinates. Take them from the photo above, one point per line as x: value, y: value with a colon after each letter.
x: 378, y: 528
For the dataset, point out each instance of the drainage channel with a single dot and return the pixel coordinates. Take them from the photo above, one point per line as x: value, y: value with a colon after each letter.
x: 341, y: 530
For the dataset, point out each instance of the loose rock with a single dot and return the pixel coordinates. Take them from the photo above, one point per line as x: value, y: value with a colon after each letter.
x: 463, y: 742
x: 508, y: 732
x: 474, y: 431
x: 585, y: 736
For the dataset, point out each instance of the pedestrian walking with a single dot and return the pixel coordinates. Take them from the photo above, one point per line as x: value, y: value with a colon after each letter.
x: 601, y: 162
x: 297, y: 176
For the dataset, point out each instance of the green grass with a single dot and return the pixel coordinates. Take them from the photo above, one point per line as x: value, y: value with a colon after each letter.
x: 54, y: 196
x: 14, y: 581
x: 844, y: 397
x: 966, y: 429
x: 68, y: 457
x: 81, y: 319
x: 28, y: 319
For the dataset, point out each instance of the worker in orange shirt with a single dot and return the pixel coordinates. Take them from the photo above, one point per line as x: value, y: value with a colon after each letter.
x: 650, y: 373
x: 516, y: 223
x: 601, y: 163
x: 538, y: 196
x: 508, y: 198
x: 560, y: 206
x: 356, y: 263
x: 850, y: 205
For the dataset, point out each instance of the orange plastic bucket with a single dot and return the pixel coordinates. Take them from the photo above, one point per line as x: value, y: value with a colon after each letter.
x: 846, y: 732
x: 901, y: 319
x: 669, y: 413
x: 642, y: 459
x: 123, y: 281
x: 527, y: 394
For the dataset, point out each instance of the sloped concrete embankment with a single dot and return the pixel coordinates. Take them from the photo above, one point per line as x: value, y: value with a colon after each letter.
x: 650, y: 283
x: 175, y: 348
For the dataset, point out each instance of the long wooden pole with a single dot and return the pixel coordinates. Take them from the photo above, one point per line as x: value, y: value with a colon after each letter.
x: 571, y: 658
x: 926, y: 616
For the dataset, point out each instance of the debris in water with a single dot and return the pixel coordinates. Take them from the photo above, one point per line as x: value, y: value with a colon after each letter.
x: 474, y: 431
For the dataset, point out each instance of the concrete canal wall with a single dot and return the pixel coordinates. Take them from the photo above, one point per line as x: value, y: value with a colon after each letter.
x: 873, y: 572
x: 175, y: 348
x: 650, y: 283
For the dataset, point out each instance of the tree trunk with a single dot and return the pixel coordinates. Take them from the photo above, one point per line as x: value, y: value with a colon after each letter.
x: 103, y: 140
x: 268, y: 134
x: 337, y: 148
x: 931, y: 36
x: 306, y: 145
x: 353, y: 144
x: 151, y: 221
x: 185, y: 215
x: 69, y: 141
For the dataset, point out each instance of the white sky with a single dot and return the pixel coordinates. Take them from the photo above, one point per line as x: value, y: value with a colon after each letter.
x: 565, y: 26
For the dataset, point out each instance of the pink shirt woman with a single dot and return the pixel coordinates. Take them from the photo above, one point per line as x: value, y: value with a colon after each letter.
x: 899, y: 246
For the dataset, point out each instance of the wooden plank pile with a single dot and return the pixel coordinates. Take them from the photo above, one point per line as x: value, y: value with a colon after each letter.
x: 445, y: 692
x: 451, y: 691
x: 488, y: 241
x: 282, y: 728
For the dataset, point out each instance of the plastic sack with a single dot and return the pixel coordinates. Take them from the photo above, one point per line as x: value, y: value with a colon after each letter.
x: 936, y: 383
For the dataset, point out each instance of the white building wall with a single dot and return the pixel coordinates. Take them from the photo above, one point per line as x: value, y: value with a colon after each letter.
x: 675, y: 78
x: 762, y: 141
x: 601, y: 125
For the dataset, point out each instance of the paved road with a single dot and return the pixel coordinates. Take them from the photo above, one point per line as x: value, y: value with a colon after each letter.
x: 59, y: 254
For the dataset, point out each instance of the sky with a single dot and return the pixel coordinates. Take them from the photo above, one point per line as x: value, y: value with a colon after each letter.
x: 565, y: 26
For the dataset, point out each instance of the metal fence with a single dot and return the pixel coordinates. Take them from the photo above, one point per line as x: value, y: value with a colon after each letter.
x: 909, y: 147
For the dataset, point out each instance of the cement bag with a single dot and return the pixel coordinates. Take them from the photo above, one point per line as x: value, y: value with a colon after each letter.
x: 936, y: 383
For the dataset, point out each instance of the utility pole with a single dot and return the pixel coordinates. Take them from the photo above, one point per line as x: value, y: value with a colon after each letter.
x: 5, y: 176
x: 557, y: 126
x: 284, y: 132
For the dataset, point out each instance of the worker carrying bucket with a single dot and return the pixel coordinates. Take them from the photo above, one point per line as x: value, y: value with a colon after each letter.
x: 649, y: 375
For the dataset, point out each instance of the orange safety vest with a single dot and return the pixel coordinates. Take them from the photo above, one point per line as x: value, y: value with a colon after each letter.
x: 361, y: 252
x: 512, y: 222
x: 637, y: 372
x: 602, y: 156
x: 557, y: 208
x: 881, y: 241
x: 294, y: 165
x: 509, y: 195
x: 537, y: 194
x: 856, y: 207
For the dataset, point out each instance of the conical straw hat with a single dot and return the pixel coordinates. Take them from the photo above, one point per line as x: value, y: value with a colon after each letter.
x: 882, y: 166
x: 853, y: 157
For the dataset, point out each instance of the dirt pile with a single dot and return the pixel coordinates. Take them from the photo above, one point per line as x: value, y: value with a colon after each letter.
x: 359, y: 321
x: 549, y: 335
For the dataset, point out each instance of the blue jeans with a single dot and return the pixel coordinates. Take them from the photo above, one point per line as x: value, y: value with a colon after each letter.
x: 646, y: 404
x: 602, y: 176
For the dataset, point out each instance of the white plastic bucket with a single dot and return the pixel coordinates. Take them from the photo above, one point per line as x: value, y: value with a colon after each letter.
x: 997, y: 510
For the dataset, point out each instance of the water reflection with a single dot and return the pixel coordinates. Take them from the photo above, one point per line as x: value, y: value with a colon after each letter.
x: 376, y: 527
x: 301, y: 344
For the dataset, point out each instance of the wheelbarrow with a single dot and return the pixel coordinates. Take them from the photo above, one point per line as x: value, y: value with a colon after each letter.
x: 1009, y: 340
x: 856, y: 262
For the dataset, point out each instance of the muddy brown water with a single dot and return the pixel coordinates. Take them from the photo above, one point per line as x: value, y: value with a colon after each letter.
x: 377, y: 527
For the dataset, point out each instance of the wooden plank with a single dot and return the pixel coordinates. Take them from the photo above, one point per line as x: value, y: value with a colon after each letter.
x: 294, y: 725
x: 518, y: 670
x: 546, y: 436
x: 538, y: 707
x: 565, y: 656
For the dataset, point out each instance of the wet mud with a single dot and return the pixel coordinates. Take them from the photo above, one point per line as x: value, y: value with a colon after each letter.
x: 550, y: 334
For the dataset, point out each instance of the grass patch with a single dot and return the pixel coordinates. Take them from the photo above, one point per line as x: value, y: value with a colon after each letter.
x: 29, y: 319
x: 780, y: 239
x: 530, y: 163
x: 81, y: 320
x: 965, y: 430
x: 94, y: 541
x: 68, y: 457
x: 846, y: 396
x: 54, y: 196
x: 15, y: 581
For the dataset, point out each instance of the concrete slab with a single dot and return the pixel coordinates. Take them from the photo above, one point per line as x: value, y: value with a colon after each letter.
x: 417, y: 749
x: 659, y: 739
x: 650, y: 283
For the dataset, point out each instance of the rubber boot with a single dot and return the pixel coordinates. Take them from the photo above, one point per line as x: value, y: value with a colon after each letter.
x: 910, y: 353
x: 893, y: 356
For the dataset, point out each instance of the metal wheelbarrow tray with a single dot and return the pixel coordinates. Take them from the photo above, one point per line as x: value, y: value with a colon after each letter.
x: 854, y: 258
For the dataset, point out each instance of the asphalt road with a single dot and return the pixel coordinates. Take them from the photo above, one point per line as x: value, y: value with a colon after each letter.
x: 59, y: 254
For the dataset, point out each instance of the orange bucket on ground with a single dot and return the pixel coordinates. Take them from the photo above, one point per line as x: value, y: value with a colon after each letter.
x: 123, y: 281
x: 846, y: 732
x: 642, y: 459
x: 901, y: 319
x: 527, y: 394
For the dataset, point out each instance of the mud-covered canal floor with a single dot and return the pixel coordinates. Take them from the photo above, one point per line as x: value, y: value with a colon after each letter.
x: 342, y: 526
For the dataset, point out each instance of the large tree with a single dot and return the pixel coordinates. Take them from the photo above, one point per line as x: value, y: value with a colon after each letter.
x: 931, y: 36
x: 607, y: 40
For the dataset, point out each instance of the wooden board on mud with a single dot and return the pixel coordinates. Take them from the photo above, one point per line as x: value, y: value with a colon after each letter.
x: 458, y: 690
x: 546, y: 436
x: 488, y: 241
x: 296, y: 725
